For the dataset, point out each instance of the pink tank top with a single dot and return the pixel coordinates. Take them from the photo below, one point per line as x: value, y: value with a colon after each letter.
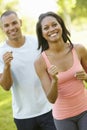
x: 72, y: 95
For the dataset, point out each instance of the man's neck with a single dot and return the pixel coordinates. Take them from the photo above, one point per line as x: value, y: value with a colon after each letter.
x: 17, y: 42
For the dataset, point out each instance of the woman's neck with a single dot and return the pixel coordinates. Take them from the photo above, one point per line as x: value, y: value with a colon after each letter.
x: 57, y: 46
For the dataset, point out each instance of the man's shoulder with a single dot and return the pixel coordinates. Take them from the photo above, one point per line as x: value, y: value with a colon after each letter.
x: 2, y: 47
x: 2, y: 44
x: 32, y: 41
x: 31, y: 37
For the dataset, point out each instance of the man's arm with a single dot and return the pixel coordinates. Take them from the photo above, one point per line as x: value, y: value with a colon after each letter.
x: 6, y: 77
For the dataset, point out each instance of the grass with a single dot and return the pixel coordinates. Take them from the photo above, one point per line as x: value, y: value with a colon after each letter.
x: 6, y: 117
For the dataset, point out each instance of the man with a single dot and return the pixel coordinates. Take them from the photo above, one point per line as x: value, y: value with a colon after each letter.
x: 31, y: 109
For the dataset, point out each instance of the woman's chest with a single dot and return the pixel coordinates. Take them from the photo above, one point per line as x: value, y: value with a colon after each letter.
x: 63, y: 62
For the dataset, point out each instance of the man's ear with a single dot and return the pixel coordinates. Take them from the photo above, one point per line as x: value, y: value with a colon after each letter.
x: 20, y: 22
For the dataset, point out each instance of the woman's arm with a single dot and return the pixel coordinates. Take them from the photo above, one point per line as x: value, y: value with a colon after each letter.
x: 48, y: 79
x: 82, y: 54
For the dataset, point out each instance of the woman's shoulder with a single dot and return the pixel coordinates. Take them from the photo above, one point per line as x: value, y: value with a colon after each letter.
x: 80, y: 47
x: 81, y: 50
x: 40, y: 65
x: 39, y: 61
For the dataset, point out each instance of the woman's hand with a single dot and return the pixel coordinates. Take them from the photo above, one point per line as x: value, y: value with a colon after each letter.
x: 53, y: 71
x: 53, y: 92
x: 81, y: 75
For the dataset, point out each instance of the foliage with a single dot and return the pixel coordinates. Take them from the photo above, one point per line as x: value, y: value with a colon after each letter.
x: 80, y: 10
x: 66, y: 5
x: 5, y: 5
x: 73, y: 11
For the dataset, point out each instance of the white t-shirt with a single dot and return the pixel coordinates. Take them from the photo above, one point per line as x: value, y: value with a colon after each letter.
x: 28, y: 97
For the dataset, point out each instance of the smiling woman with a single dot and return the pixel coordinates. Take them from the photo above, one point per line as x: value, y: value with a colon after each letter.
x: 35, y: 7
x: 62, y: 68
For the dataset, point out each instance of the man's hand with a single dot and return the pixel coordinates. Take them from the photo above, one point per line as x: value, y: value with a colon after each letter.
x: 7, y: 57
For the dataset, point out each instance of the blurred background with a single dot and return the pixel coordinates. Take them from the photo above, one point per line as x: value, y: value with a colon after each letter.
x: 74, y: 14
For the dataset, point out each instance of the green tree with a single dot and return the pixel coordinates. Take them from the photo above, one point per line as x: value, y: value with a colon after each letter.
x: 73, y: 10
x: 79, y: 12
x: 65, y: 9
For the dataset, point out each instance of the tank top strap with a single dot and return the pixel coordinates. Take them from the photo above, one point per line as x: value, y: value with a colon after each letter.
x: 46, y: 59
x: 75, y: 56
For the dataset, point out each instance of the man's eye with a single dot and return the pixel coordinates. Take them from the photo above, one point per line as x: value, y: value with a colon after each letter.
x: 6, y: 25
x: 14, y: 23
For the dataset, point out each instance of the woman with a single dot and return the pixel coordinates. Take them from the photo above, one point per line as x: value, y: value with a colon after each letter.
x: 62, y: 68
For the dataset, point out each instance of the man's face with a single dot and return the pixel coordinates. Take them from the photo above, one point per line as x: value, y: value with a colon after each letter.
x: 11, y: 26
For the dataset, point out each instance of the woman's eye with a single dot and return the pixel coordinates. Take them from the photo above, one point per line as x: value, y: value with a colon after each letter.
x: 45, y: 28
x: 54, y: 25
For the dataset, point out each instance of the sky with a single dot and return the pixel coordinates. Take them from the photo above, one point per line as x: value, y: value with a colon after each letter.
x: 35, y: 7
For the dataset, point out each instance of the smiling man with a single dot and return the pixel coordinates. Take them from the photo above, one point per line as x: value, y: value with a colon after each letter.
x: 31, y: 109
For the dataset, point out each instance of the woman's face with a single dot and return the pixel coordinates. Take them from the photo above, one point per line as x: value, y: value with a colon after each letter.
x: 51, y: 29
